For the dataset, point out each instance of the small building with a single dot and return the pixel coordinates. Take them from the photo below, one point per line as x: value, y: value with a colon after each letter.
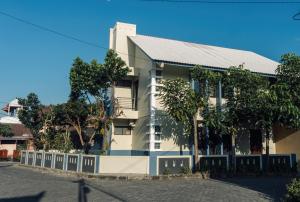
x: 22, y: 137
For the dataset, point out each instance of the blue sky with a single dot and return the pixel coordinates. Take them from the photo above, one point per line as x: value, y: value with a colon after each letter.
x: 36, y: 61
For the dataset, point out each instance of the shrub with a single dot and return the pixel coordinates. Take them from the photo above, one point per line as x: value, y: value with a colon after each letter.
x: 166, y: 172
x: 185, y: 170
x: 293, y: 191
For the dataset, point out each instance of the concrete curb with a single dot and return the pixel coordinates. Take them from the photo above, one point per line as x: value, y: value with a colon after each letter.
x: 113, y: 177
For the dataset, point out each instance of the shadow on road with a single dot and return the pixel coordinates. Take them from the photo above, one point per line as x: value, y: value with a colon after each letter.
x: 271, y: 187
x: 33, y: 198
x: 84, y: 190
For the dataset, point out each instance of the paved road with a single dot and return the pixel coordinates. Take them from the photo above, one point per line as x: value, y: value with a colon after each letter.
x: 18, y: 184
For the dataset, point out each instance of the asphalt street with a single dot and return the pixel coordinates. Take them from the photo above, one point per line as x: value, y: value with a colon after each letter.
x: 19, y: 184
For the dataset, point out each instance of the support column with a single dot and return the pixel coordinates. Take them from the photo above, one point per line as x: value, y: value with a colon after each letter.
x: 206, y: 129
x: 219, y: 107
x: 152, y: 152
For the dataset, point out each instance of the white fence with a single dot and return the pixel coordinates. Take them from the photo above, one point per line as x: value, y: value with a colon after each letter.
x: 87, y: 163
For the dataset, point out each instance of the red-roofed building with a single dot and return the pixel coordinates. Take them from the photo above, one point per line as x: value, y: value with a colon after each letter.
x: 22, y: 136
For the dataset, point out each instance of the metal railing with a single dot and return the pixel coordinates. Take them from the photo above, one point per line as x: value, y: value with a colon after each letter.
x: 126, y: 103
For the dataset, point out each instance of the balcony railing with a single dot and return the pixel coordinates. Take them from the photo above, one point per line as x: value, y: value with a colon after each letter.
x: 126, y: 103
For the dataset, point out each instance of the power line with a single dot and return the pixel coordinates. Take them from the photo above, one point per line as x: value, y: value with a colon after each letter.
x: 46, y: 29
x: 51, y: 30
x: 296, y: 16
x: 224, y: 2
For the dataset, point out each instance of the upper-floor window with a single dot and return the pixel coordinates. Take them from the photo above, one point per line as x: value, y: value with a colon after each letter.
x: 158, y: 72
x: 124, y: 83
x: 122, y: 130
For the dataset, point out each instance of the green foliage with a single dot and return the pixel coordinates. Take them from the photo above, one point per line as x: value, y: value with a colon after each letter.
x: 62, y: 142
x: 288, y: 72
x: 32, y: 116
x: 91, y: 83
x: 186, y: 170
x: 93, y: 79
x: 74, y: 114
x: 180, y: 101
x: 166, y: 171
x: 293, y: 191
x: 5, y: 130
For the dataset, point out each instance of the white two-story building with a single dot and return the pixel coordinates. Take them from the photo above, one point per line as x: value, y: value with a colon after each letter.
x: 144, y: 128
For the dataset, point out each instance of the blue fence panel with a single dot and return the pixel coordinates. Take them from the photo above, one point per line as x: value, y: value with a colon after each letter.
x: 59, y: 161
x: 30, y: 158
x: 38, y: 159
x: 88, y: 164
x: 173, y: 165
x: 214, y: 163
x: 72, y: 162
x: 248, y: 164
x: 23, y: 157
x: 48, y: 160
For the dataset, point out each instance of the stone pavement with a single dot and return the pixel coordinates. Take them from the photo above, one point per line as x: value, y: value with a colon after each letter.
x: 24, y: 184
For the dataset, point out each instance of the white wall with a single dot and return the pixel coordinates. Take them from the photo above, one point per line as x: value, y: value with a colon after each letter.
x: 124, y: 164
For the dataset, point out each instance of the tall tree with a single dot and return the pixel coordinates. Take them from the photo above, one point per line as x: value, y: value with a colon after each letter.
x: 32, y: 116
x: 182, y: 103
x: 241, y: 88
x: 185, y: 104
x: 95, y: 82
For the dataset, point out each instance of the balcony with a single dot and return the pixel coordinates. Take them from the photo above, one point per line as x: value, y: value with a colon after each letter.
x: 127, y: 108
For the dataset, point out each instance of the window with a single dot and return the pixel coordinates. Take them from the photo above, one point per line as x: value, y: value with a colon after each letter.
x: 8, y: 141
x: 157, y: 128
x: 158, y: 72
x: 157, y: 146
x: 157, y: 137
x: 124, y: 83
x: 122, y: 130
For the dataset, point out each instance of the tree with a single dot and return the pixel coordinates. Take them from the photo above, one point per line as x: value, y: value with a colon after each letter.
x: 184, y: 103
x: 32, y: 116
x: 288, y: 73
x: 5, y: 130
x: 181, y: 103
x: 73, y: 114
x: 242, y: 91
x: 94, y: 82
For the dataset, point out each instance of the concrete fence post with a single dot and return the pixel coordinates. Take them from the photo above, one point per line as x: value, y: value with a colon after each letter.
x: 79, y: 163
x: 53, y: 160
x: 43, y: 159
x: 97, y: 164
x: 65, y: 162
x: 26, y: 158
x: 261, y: 162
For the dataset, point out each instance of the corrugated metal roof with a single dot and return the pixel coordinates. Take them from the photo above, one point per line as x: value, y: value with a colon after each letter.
x: 205, y: 55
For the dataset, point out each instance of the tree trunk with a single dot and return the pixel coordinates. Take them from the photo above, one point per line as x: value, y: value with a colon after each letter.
x: 196, y: 150
x: 233, y: 153
x: 267, y: 149
x: 104, y: 140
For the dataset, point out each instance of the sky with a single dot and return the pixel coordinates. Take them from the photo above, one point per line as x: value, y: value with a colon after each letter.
x: 32, y: 60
